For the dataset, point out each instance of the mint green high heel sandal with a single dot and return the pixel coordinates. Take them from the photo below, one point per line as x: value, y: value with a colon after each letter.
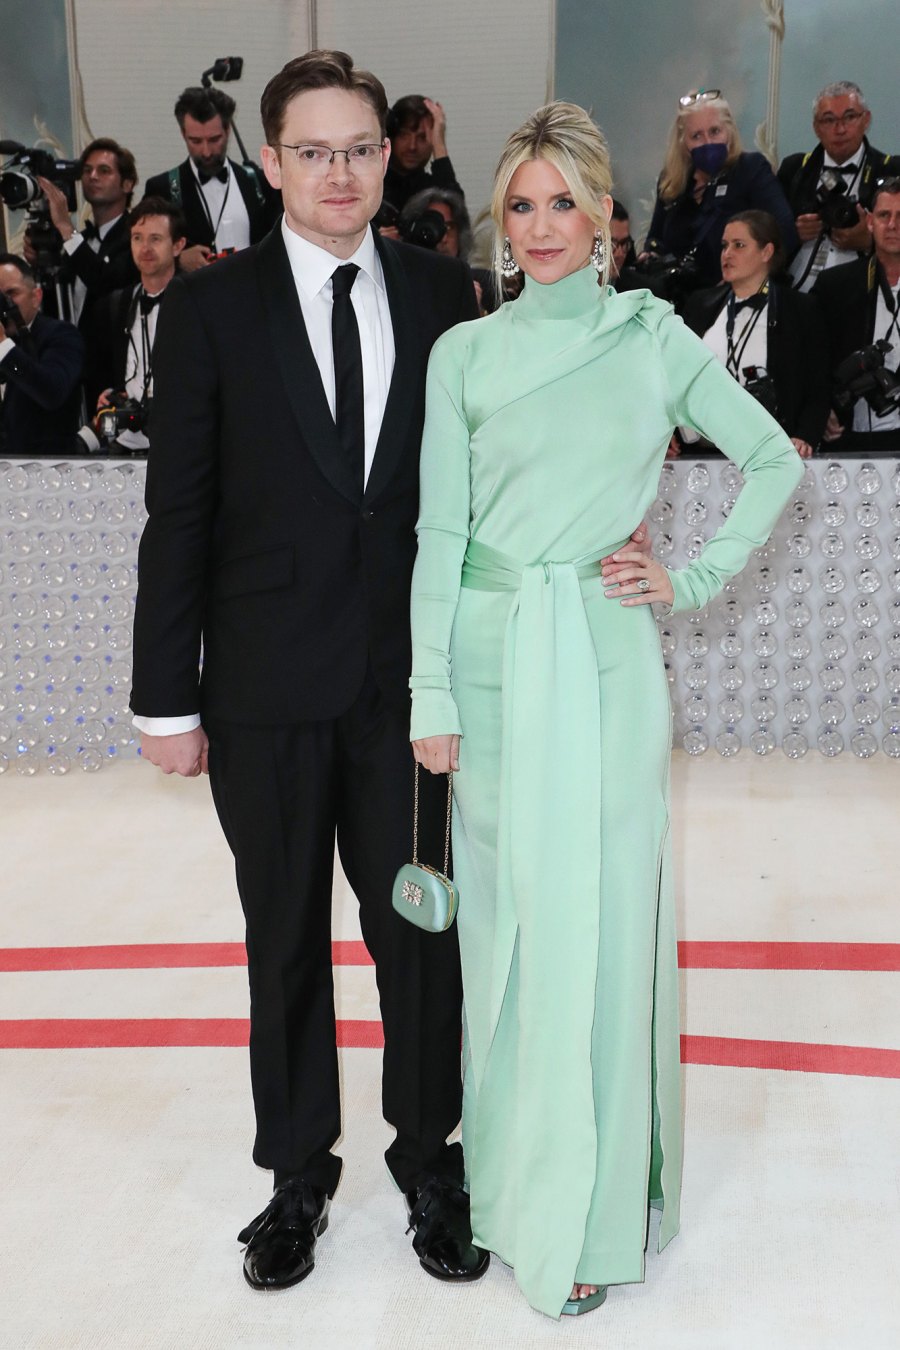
x: 574, y: 1306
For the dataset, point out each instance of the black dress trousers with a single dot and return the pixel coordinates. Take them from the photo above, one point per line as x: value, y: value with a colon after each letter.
x: 282, y: 793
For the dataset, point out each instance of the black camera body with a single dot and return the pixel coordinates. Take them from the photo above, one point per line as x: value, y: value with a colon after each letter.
x: 20, y: 190
x: 759, y: 383
x: 122, y: 413
x: 664, y: 275
x: 427, y: 230
x: 837, y: 209
x: 9, y: 313
x: 863, y: 374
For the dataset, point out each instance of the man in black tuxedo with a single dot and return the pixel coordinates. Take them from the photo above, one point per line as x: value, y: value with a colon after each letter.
x: 282, y: 492
x: 96, y: 258
x: 226, y: 205
x: 844, y: 164
x: 41, y: 361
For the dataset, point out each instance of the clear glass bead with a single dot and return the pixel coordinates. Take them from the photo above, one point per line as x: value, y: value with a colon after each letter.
x: 894, y: 547
x: 765, y: 614
x: 765, y: 643
x: 795, y: 745
x: 834, y: 514
x: 697, y: 478
x: 834, y: 646
x: 832, y: 580
x: 830, y: 743
x: 663, y: 545
x: 864, y: 678
x: 894, y: 513
x: 728, y: 743
x: 731, y: 676
x: 731, y: 710
x: 661, y: 511
x: 798, y: 647
x: 799, y: 545
x: 832, y: 711
x: 868, y: 480
x: 867, y: 580
x: 798, y: 614
x: 835, y: 477
x: 696, y: 676
x: 865, y: 711
x: 867, y: 515
x: 799, y: 513
x: 695, y: 512
x: 796, y: 710
x: 693, y: 545
x: 798, y: 581
x: 765, y: 676
x: 695, y: 741
x: 731, y: 644
x: 732, y: 612
x: 797, y: 677
x: 832, y: 614
x: 865, y: 612
x: 892, y: 643
x: 892, y: 679
x: 891, y: 744
x: 867, y: 547
x: 765, y: 580
x: 831, y: 545
x: 762, y: 742
x: 731, y: 479
x: 696, y: 708
x: 831, y: 678
x: 667, y: 641
x: 696, y: 644
x: 667, y: 480
x: 866, y: 647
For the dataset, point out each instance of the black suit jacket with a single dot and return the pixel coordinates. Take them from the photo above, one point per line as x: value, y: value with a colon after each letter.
x: 258, y: 540
x: 796, y: 355
x: 42, y: 401
x: 847, y: 297
x: 108, y: 341
x: 799, y: 177
x: 262, y: 202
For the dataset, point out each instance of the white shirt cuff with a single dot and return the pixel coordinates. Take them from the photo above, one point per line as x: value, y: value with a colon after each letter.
x: 166, y: 726
x: 6, y: 347
x: 74, y: 241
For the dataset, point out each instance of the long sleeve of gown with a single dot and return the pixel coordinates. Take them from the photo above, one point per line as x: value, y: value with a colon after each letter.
x: 443, y: 533
x: 706, y: 397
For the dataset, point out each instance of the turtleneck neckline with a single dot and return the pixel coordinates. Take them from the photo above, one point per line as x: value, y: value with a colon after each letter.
x: 569, y: 298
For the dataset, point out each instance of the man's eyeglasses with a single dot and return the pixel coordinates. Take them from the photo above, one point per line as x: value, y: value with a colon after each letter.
x: 625, y: 243
x: 846, y: 119
x: 698, y: 96
x: 320, y: 157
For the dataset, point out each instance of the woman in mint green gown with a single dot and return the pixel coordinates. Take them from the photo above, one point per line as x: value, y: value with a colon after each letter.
x: 546, y: 428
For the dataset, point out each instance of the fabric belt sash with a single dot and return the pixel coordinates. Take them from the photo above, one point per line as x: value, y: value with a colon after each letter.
x: 547, y: 931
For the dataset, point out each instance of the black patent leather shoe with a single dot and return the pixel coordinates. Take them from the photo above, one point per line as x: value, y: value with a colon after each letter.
x: 281, y: 1242
x: 439, y: 1215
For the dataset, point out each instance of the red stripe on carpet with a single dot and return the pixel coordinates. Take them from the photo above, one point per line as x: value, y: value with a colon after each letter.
x: 727, y: 1052
x: 80, y: 1033
x: 795, y: 1056
x: 869, y: 956
x: 153, y: 956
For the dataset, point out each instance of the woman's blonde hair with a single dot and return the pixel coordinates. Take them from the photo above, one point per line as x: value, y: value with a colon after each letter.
x: 565, y: 136
x: 678, y: 166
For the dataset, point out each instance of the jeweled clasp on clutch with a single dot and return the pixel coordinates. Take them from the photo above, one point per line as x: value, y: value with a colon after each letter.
x: 413, y: 893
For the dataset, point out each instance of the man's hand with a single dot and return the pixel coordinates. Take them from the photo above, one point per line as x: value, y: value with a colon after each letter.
x: 195, y: 257
x: 389, y: 231
x: 803, y: 448
x: 808, y: 227
x: 641, y: 541
x: 59, y: 208
x: 438, y: 754
x: 185, y: 754
x: 834, y: 428
x: 29, y: 252
x: 3, y: 333
x: 858, y: 237
x: 439, y: 129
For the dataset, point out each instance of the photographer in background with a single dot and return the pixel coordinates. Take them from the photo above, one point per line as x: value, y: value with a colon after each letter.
x: 623, y: 254
x: 860, y: 307
x: 829, y: 187
x: 417, y: 130
x: 765, y: 334
x: 97, y: 258
x: 124, y: 331
x: 706, y: 179
x: 437, y: 218
x: 41, y: 361
x: 226, y: 205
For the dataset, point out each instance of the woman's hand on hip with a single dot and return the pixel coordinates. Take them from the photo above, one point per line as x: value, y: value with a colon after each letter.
x: 641, y: 581
x: 438, y: 754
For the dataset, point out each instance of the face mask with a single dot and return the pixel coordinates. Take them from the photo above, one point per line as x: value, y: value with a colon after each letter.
x: 710, y: 158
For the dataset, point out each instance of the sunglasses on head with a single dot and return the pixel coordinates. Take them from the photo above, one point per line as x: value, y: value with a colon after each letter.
x: 699, y: 96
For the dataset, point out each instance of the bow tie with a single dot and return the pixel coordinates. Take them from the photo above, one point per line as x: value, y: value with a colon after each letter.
x: 221, y: 176
x: 89, y: 230
x: 148, y: 302
x: 848, y: 169
x: 757, y: 301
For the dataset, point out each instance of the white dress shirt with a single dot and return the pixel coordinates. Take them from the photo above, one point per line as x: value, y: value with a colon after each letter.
x: 863, y: 417
x: 755, y: 353
x: 827, y: 255
x: 312, y: 269
x: 78, y: 288
x: 226, y: 210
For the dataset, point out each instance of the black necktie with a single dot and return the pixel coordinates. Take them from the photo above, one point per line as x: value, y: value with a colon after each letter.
x: 348, y: 372
x: 220, y: 177
x: 148, y: 302
x: 756, y: 301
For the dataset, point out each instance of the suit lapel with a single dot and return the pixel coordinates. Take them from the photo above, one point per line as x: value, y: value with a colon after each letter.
x: 407, y: 372
x: 299, y: 371
x: 242, y: 177
x: 199, y: 231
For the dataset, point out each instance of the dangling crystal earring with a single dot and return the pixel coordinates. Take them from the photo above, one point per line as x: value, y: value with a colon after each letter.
x: 598, y: 256
x: 508, y: 265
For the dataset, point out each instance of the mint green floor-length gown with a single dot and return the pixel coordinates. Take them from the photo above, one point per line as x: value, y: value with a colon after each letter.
x: 546, y: 429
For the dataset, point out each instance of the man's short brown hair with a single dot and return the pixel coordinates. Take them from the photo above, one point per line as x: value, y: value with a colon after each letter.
x: 159, y: 206
x: 123, y: 157
x: 318, y: 70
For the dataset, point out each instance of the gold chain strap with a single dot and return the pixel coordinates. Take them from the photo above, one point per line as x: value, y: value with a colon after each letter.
x: 415, y: 857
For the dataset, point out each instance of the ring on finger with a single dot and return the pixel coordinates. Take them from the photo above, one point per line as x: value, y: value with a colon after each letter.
x: 643, y: 585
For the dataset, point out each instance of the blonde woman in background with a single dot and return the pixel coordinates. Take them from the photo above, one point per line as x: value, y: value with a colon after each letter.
x: 707, y: 178
x: 538, y: 679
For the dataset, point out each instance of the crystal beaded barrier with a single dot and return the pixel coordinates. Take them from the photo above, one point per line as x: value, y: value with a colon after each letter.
x: 802, y: 650
x: 68, y: 572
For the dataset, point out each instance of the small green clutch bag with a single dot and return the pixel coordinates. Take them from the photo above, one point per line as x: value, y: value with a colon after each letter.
x: 423, y: 895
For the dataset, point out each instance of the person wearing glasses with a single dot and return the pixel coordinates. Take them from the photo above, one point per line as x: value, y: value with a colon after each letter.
x: 282, y: 491
x: 707, y: 177
x: 831, y: 187
x: 766, y: 335
x: 539, y: 681
x: 623, y: 254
